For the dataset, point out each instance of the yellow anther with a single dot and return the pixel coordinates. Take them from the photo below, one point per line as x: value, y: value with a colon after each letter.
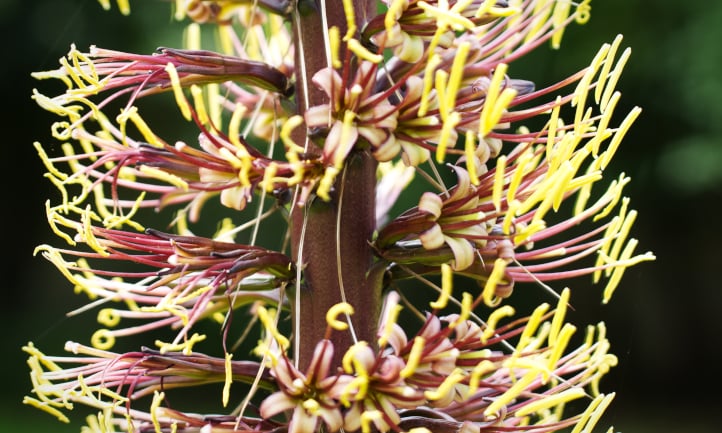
x: 493, y: 320
x: 606, y: 156
x: 228, y: 368
x: 466, y: 302
x: 429, y: 74
x: 414, y: 358
x: 561, y: 340
x: 531, y: 326
x: 583, y: 12
x: 368, y: 418
x: 164, y: 176
x: 613, y: 195
x: 350, y: 362
x: 350, y: 13
x: 155, y: 406
x: 496, y: 102
x: 269, y: 176
x: 609, y: 58
x: 234, y: 126
x: 559, y: 315
x: 489, y: 292
x: 591, y: 415
x: 288, y: 126
x: 192, y: 36
x: 614, y: 77
x: 395, y: 10
x: 520, y: 169
x: 199, y: 103
x: 326, y: 183
x: 441, y: 80
x: 559, y: 17
x: 30, y: 401
x: 446, y: 137
x: 446, y: 386
x: 180, y: 98
x: 108, y: 317
x: 457, y: 74
x: 550, y: 401
x: 186, y: 346
x: 103, y: 339
x: 336, y: 310
x: 334, y: 41
x: 446, y: 287
x: 448, y: 17
x: 470, y: 155
x: 618, y: 270
x: 554, y: 123
x: 499, y: 177
x: 362, y: 52
x: 269, y: 323
x: 510, y: 394
x: 389, y: 323
x: 477, y: 372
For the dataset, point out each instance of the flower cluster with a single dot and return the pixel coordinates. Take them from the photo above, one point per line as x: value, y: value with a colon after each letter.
x: 293, y: 121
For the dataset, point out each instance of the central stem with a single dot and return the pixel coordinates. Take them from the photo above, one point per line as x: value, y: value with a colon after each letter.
x: 332, y: 237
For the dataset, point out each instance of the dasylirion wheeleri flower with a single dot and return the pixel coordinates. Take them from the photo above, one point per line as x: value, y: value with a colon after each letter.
x: 280, y: 222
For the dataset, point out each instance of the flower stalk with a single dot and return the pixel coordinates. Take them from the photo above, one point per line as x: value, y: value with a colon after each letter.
x: 318, y: 117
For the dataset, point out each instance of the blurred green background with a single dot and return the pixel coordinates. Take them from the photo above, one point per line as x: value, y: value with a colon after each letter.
x: 664, y: 321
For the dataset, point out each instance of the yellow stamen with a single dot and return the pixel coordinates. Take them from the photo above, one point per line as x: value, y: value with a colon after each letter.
x: 180, y: 98
x: 611, y: 53
x: 412, y: 362
x: 493, y: 320
x: 186, y: 346
x: 334, y: 42
x: 489, y: 292
x: 268, y: 322
x: 445, y: 138
x: 466, y: 301
x: 155, y: 406
x: 477, y: 372
x: 335, y: 311
x: 429, y: 74
x: 556, y: 399
x: 200, y: 105
x: 531, y: 327
x: 228, y: 368
x: 164, y: 176
x: 30, y: 401
x: 559, y: 314
x: 446, y: 288
x: 606, y: 156
x: 470, y: 154
x: 614, y: 78
x: 103, y: 339
x: 498, y: 186
x: 446, y: 386
x: 361, y: 51
x: 591, y: 415
x: 350, y: 19
x: 510, y: 394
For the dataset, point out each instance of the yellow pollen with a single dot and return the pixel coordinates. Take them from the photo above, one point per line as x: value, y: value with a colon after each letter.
x: 531, y: 327
x: 614, y: 77
x: 466, y: 301
x: 350, y: 19
x: 611, y: 53
x: 477, y: 372
x: 606, y: 156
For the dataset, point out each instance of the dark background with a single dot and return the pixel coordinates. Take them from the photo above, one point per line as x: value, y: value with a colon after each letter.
x: 664, y: 320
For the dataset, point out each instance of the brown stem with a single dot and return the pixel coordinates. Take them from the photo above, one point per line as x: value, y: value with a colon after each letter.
x: 335, y: 246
